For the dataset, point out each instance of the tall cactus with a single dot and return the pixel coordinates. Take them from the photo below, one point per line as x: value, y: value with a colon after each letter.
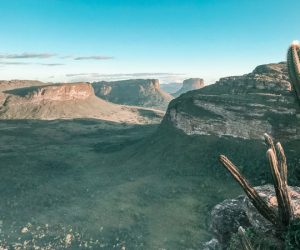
x: 285, y: 214
x: 293, y: 63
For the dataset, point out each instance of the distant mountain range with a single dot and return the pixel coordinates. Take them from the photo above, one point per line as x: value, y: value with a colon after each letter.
x: 137, y: 100
x: 188, y: 85
x: 240, y: 106
x: 68, y: 101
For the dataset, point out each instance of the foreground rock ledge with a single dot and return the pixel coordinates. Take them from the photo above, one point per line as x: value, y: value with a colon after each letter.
x: 229, y: 215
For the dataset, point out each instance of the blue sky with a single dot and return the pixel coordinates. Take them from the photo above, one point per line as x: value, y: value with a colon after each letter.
x: 64, y: 40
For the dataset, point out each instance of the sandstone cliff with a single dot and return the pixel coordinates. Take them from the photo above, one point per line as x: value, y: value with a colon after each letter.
x: 137, y: 92
x: 188, y: 85
x: 68, y: 101
x: 240, y: 106
x: 54, y: 92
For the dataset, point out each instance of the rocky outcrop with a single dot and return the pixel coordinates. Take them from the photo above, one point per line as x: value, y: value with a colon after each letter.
x: 136, y: 92
x: 188, y: 85
x: 240, y: 106
x: 69, y: 101
x: 229, y: 215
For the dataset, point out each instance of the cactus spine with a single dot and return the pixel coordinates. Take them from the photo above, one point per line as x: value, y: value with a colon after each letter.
x: 293, y: 63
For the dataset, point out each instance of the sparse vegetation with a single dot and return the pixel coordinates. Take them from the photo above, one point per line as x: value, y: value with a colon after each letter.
x: 286, y: 229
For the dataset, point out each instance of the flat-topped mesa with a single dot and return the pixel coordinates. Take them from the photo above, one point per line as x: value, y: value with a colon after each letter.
x: 190, y: 84
x: 56, y: 92
x: 69, y: 101
x: 105, y: 88
x: 136, y: 92
x: 193, y: 83
x: 64, y: 92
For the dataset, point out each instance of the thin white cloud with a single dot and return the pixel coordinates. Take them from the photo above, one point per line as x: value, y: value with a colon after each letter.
x: 94, y: 58
x: 27, y: 56
x: 50, y: 64
x: 3, y: 63
x: 14, y: 63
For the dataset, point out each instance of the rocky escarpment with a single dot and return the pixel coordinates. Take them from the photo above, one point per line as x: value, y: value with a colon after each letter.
x: 54, y: 92
x: 229, y: 215
x: 240, y: 106
x: 137, y: 92
x: 68, y: 101
x: 188, y: 85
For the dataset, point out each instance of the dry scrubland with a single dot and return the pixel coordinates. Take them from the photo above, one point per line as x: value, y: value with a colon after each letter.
x: 86, y: 183
x: 89, y: 183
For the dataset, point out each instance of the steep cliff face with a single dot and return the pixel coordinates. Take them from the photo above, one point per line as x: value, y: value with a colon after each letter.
x: 188, y: 85
x: 55, y: 92
x: 139, y: 92
x: 68, y: 101
x: 240, y: 106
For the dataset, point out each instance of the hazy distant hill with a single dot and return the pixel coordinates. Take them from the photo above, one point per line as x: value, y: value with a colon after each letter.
x: 66, y: 101
x: 171, y: 87
x: 137, y: 92
x: 188, y: 85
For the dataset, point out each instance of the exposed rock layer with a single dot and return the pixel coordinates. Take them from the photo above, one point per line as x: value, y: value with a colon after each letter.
x: 188, y: 85
x: 240, y: 106
x: 55, y: 92
x: 137, y: 92
x: 68, y: 101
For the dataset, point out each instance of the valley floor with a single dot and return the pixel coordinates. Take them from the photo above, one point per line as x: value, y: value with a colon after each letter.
x: 88, y: 183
